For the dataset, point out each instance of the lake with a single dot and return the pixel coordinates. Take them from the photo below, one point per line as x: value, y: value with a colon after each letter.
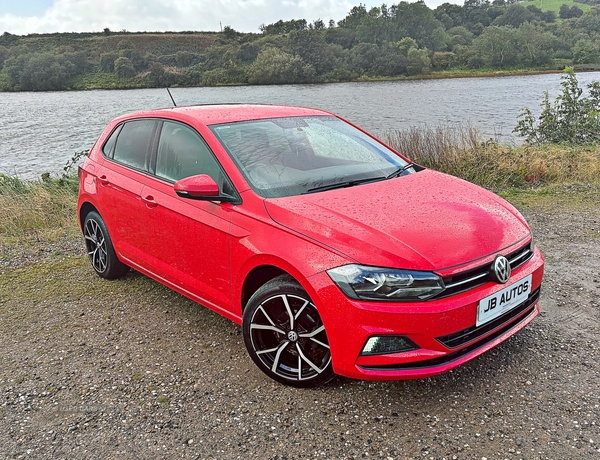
x: 40, y: 132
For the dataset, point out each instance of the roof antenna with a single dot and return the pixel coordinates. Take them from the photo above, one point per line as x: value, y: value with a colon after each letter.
x: 168, y: 91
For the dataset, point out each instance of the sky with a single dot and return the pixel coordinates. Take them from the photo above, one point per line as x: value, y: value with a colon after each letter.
x: 23, y: 17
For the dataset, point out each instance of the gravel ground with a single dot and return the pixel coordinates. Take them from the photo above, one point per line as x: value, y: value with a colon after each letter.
x: 130, y: 370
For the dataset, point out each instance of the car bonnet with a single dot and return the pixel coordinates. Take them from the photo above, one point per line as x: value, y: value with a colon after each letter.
x: 422, y: 221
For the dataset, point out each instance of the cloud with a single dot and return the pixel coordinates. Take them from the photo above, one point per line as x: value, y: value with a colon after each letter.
x: 171, y: 15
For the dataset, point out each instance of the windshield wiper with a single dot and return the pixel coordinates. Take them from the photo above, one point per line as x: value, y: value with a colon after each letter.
x: 349, y: 183
x: 400, y: 170
x: 352, y: 183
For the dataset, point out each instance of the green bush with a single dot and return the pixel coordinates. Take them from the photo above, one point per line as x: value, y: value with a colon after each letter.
x: 571, y: 119
x: 274, y: 66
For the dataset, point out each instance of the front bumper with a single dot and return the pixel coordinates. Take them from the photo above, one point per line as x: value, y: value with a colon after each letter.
x: 444, y: 330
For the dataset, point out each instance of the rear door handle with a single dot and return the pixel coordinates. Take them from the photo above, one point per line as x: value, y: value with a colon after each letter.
x: 149, y: 200
x: 103, y: 180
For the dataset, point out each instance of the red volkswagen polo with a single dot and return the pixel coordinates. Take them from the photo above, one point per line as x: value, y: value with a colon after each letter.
x: 334, y: 252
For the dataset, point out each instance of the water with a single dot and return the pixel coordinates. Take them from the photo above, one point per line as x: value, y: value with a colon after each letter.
x: 40, y: 132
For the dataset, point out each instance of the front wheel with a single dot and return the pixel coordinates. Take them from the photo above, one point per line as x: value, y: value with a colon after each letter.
x: 285, y: 336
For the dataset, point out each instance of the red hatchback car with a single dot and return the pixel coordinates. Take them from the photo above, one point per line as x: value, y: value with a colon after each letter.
x: 334, y: 252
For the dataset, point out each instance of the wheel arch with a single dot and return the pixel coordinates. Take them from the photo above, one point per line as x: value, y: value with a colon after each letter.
x: 84, y: 210
x: 256, y: 278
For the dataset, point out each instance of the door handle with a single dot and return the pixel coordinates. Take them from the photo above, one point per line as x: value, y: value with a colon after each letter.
x: 103, y: 180
x: 149, y: 200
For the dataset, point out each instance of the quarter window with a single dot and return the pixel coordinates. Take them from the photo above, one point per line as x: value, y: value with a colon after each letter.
x: 110, y: 143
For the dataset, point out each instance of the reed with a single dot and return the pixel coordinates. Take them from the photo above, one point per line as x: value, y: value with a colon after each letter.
x: 462, y: 151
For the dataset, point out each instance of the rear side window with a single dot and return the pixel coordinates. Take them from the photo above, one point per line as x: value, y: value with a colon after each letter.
x: 133, y: 142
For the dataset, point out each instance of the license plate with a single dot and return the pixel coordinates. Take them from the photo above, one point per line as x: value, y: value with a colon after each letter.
x: 502, y: 301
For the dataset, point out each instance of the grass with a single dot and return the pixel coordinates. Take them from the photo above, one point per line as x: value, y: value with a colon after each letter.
x: 460, y: 151
x: 45, y: 206
x: 554, y: 5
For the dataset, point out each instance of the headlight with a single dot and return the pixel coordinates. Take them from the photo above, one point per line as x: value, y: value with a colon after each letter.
x: 374, y: 283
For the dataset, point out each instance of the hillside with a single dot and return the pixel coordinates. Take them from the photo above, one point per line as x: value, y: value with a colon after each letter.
x: 405, y: 40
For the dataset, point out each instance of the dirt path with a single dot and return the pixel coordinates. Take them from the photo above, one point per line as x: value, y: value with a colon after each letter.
x: 131, y: 370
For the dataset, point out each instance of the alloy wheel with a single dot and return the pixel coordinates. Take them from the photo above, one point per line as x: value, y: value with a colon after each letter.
x: 288, y: 337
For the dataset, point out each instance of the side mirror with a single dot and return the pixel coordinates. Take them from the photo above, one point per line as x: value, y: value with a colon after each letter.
x: 200, y: 187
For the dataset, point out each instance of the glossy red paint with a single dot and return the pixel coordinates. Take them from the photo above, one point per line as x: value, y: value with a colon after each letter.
x: 197, y: 186
x: 411, y: 221
x: 214, y: 251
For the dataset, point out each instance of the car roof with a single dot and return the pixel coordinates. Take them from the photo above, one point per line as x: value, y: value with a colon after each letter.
x: 211, y: 114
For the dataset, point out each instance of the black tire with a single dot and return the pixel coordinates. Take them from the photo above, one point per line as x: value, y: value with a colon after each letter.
x: 285, y: 336
x: 100, y: 249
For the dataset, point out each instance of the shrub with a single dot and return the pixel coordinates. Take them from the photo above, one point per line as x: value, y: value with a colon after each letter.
x: 274, y: 66
x: 571, y: 119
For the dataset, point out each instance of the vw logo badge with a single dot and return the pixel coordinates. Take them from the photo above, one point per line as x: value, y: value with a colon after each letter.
x: 501, y: 269
x: 292, y: 336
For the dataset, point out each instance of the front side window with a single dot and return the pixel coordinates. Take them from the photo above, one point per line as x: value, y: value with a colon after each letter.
x: 295, y: 155
x: 133, y: 143
x: 183, y: 153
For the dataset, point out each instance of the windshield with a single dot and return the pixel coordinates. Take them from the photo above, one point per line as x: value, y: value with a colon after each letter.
x: 295, y: 155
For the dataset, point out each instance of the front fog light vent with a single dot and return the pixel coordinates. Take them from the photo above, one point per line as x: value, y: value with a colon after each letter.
x: 386, y: 344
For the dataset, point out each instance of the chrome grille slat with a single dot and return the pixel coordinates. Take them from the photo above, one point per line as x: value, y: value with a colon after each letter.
x: 466, y: 281
x: 471, y: 279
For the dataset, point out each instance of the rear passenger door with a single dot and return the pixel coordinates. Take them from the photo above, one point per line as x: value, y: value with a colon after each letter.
x: 122, y: 178
x: 187, y: 241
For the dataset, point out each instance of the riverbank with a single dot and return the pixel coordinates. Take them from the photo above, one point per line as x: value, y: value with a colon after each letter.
x: 108, y: 81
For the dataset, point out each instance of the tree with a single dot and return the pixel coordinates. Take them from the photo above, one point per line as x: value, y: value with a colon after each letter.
x: 442, y: 60
x: 186, y: 58
x: 230, y: 33
x: 406, y: 44
x: 107, y: 61
x: 515, y: 16
x: 3, y: 55
x: 318, y: 24
x: 311, y: 46
x: 135, y: 57
x: 124, y: 68
x: 46, y: 72
x: 363, y: 58
x: 496, y: 47
x: 585, y: 52
x: 417, y: 21
x: 125, y: 45
x: 533, y: 45
x: 283, y: 27
x: 275, y: 66
x: 418, y: 62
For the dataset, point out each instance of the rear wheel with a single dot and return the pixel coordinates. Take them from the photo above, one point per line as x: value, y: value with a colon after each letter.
x: 100, y: 249
x: 285, y: 336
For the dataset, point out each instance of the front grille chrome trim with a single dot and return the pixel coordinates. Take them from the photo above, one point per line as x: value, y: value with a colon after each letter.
x: 464, y: 281
x: 468, y: 280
